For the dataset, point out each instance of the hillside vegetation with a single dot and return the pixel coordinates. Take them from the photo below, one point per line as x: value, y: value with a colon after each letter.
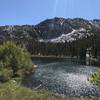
x: 12, y: 91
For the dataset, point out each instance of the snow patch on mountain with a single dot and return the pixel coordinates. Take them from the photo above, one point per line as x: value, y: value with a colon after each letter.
x: 72, y: 36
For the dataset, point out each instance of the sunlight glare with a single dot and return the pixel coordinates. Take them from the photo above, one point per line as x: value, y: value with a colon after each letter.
x: 55, y: 7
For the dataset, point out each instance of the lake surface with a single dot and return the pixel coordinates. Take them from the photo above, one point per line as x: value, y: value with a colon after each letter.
x: 64, y: 76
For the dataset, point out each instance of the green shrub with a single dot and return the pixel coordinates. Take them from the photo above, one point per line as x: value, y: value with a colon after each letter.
x: 6, y: 74
x: 95, y: 78
x: 15, y: 60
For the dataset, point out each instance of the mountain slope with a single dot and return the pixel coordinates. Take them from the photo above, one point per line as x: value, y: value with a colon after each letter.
x: 52, y: 30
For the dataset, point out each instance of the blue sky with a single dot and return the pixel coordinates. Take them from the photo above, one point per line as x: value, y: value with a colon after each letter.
x: 33, y: 11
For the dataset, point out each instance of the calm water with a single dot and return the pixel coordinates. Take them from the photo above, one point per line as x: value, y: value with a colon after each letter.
x: 64, y: 76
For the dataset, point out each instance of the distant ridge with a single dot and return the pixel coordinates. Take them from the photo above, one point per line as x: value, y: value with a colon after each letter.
x: 52, y: 30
